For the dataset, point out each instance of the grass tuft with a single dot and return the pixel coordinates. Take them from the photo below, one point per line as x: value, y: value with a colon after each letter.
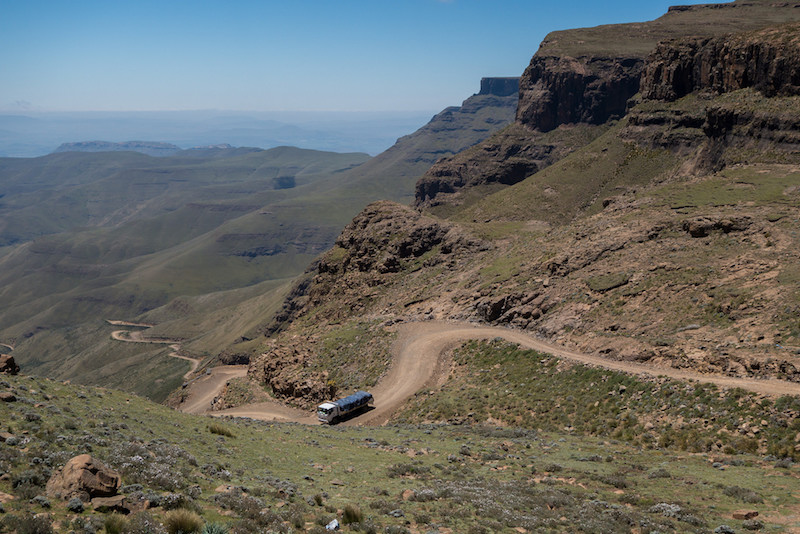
x: 182, y: 521
x: 352, y: 514
x: 220, y: 430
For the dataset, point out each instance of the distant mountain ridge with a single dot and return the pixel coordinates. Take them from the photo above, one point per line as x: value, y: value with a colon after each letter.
x: 151, y: 148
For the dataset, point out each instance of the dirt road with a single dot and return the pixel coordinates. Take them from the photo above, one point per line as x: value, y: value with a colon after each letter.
x: 418, y: 363
x: 203, y: 390
x: 129, y: 323
x: 136, y: 337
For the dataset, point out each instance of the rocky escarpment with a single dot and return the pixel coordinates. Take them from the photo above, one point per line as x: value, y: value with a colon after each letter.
x: 454, y: 129
x: 555, y: 91
x: 727, y: 100
x: 505, y: 158
x: 586, y: 77
x: 508, y: 86
x: 766, y: 60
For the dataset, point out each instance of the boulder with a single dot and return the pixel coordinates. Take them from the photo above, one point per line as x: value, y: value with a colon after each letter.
x: 7, y: 396
x: 8, y: 365
x: 745, y: 514
x: 84, y: 477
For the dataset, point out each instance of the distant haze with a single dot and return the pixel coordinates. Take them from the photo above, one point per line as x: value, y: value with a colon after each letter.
x: 37, y: 134
x: 269, y: 55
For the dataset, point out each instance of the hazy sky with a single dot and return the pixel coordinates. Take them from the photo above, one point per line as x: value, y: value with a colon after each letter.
x: 349, y: 55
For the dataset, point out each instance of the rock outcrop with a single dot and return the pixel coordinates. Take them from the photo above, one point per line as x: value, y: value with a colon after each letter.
x: 767, y: 60
x: 282, y: 368
x: 376, y: 247
x: 8, y: 365
x: 84, y: 477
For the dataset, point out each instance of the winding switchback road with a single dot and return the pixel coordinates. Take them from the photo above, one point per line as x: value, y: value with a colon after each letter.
x: 136, y: 337
x: 418, y: 363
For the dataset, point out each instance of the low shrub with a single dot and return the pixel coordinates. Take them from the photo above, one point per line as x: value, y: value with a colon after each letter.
x: 75, y: 505
x: 659, y: 473
x: 182, y: 522
x: 399, y: 470
x: 31, y: 524
x: 743, y: 494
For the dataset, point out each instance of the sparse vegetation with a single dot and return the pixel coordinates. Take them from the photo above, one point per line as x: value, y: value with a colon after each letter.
x: 506, y: 473
x: 355, y: 355
x: 500, y: 382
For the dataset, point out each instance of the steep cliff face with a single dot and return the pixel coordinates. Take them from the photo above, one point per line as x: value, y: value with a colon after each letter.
x: 586, y: 76
x: 766, y: 60
x: 564, y: 90
x: 500, y: 86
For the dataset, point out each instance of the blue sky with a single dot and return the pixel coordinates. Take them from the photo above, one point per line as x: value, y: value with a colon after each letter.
x: 312, y: 55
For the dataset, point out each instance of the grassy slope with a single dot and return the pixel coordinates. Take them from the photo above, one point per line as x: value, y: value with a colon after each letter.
x: 579, y: 182
x: 466, y: 478
x: 204, y: 218
x: 498, y: 382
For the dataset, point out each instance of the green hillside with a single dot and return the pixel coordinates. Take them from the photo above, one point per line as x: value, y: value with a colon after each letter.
x: 99, y: 236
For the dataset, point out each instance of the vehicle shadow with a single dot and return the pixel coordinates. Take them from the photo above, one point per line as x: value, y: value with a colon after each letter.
x: 353, y: 415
